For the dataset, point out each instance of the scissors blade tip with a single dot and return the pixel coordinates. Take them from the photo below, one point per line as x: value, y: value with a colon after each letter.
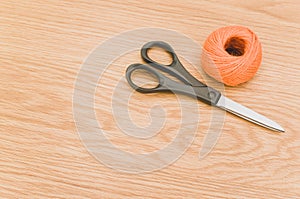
x: 248, y: 114
x: 280, y: 129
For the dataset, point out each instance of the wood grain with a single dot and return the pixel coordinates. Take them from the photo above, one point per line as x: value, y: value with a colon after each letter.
x: 43, y: 45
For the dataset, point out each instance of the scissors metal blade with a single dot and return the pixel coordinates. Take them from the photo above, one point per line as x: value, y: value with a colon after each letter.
x: 248, y: 114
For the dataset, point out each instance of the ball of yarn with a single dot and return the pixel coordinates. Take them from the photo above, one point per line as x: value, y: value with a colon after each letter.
x: 232, y: 55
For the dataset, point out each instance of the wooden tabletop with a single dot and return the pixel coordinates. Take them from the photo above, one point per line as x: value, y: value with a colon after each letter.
x: 48, y: 77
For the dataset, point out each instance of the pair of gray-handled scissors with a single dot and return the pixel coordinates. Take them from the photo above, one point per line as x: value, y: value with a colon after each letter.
x: 189, y: 85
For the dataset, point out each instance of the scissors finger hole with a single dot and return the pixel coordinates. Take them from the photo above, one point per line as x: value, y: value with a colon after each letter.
x: 160, y: 55
x: 144, y: 79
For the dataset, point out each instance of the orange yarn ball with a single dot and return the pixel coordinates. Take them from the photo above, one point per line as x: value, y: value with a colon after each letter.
x: 232, y: 55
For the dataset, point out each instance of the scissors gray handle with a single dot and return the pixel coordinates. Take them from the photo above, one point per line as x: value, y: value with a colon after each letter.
x: 206, y: 94
x: 175, y: 68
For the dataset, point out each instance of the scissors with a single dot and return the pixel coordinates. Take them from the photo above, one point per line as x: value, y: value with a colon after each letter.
x: 189, y: 85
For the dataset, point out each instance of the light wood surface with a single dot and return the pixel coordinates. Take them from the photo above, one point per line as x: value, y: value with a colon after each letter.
x: 43, y: 45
